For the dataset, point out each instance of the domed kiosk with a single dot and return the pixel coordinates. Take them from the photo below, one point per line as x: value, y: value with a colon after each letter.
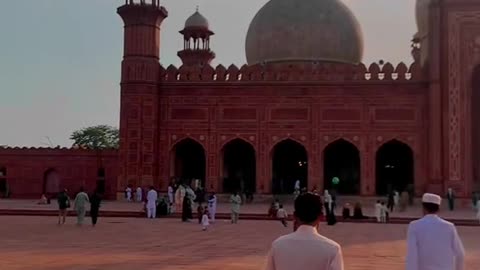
x: 307, y: 30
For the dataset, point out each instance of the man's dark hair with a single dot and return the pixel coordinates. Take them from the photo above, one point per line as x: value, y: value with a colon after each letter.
x: 308, y: 208
x: 431, y: 208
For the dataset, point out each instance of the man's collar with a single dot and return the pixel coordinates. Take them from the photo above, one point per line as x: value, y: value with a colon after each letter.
x: 307, y: 229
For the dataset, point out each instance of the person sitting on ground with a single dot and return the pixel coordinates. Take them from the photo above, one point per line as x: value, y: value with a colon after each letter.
x: 346, y: 211
x: 305, y: 248
x: 43, y: 200
x: 357, y: 212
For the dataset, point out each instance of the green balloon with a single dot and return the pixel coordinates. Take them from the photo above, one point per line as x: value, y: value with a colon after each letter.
x: 335, y: 180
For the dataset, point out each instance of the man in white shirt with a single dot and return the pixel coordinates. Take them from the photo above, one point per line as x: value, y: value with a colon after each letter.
x: 305, y: 249
x: 433, y: 243
x: 152, y: 197
x: 139, y: 194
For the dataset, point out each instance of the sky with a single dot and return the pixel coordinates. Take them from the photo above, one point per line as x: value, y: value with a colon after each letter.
x: 60, y: 60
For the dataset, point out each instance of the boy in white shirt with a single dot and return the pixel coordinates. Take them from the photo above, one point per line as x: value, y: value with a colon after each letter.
x: 383, y: 213
x: 282, y: 215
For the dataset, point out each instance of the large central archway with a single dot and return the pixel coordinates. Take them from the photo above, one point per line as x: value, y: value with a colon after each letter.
x: 394, y: 167
x: 341, y: 160
x: 475, y: 128
x: 189, y: 161
x: 239, y: 172
x: 290, y: 163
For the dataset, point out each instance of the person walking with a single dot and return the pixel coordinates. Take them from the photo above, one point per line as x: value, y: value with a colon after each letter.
x: 305, y: 248
x: 235, y: 201
x: 432, y: 242
x: 212, y: 206
x: 451, y: 199
x: 128, y: 193
x: 282, y: 215
x: 139, y: 194
x: 152, y: 197
x: 63, y: 205
x: 80, y: 206
x: 95, y: 201
x: 205, y: 220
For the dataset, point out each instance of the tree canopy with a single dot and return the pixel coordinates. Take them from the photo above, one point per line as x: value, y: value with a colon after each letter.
x: 96, y: 137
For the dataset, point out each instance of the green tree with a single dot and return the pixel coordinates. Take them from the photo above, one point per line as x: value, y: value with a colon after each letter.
x: 96, y: 137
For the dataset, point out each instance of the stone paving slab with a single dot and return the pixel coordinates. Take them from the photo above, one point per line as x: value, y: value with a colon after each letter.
x: 138, y: 244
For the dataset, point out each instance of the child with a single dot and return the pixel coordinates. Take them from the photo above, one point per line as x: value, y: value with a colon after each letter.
x: 200, y: 213
x: 383, y: 213
x: 282, y: 215
x: 378, y: 211
x: 205, y: 220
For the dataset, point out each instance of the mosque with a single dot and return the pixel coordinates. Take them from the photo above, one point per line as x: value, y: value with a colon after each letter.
x: 304, y: 107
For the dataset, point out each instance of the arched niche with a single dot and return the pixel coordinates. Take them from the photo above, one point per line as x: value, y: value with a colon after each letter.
x: 394, y: 167
x: 101, y: 181
x: 51, y: 182
x: 239, y: 167
x: 475, y: 127
x: 289, y: 164
x: 3, y: 182
x: 341, y: 160
x: 189, y: 161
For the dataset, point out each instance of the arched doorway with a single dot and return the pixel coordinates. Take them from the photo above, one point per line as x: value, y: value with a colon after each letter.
x: 51, y: 182
x: 3, y: 182
x: 189, y: 161
x: 475, y: 128
x: 341, y: 168
x: 394, y: 167
x: 239, y: 167
x: 290, y: 163
x: 101, y: 181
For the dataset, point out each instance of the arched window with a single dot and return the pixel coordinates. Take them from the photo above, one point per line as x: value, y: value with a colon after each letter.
x: 341, y: 168
x: 101, y: 181
x: 239, y: 167
x: 3, y: 182
x: 290, y: 163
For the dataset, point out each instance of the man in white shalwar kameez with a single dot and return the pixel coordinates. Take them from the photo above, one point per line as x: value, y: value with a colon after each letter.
x: 128, y: 193
x: 152, y: 197
x: 179, y: 196
x: 139, y: 194
x: 171, y: 195
x: 305, y: 249
x: 212, y: 206
x: 433, y: 243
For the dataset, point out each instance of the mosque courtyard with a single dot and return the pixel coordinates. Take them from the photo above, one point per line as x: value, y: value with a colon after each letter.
x: 141, y: 244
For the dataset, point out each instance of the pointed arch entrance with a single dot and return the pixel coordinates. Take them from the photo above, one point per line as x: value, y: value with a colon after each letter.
x: 3, y: 182
x: 289, y: 164
x: 100, y: 186
x: 239, y: 167
x: 51, y: 182
x: 394, y: 167
x: 341, y: 160
x: 189, y: 161
x: 475, y: 128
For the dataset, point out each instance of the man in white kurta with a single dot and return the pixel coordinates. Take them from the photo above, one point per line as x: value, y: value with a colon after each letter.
x: 433, y: 243
x: 212, y: 206
x: 139, y: 194
x: 152, y: 197
x: 305, y: 249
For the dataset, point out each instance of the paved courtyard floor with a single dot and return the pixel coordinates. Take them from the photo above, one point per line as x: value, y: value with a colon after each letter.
x: 141, y: 244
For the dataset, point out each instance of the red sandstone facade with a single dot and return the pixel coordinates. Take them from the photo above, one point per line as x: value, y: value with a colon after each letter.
x: 218, y: 113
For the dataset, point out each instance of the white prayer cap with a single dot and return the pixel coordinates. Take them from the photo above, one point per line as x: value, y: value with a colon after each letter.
x: 432, y: 198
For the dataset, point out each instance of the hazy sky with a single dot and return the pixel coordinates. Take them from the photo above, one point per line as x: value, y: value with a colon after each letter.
x: 60, y: 60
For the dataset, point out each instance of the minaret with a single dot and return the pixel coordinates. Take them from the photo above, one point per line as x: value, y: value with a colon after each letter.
x: 139, y: 105
x: 196, y: 41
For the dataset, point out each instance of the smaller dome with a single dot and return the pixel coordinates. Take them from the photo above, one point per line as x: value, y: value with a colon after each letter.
x: 197, y: 20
